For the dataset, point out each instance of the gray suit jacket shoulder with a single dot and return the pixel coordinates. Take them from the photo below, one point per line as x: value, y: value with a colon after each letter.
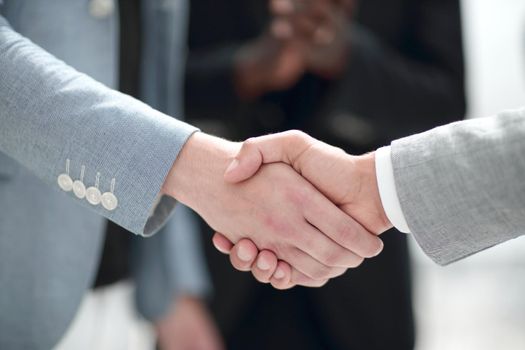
x: 462, y: 186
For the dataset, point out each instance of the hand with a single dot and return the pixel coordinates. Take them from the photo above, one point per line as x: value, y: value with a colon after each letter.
x: 277, y: 209
x: 322, y: 26
x: 348, y: 181
x: 267, y: 64
x: 264, y: 265
x: 303, y: 36
x: 188, y: 326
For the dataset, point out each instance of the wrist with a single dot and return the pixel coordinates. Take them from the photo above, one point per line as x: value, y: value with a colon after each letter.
x: 369, y: 189
x: 202, y: 160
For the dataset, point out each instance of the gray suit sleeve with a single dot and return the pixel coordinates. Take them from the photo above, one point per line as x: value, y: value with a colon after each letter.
x: 462, y: 186
x: 50, y: 113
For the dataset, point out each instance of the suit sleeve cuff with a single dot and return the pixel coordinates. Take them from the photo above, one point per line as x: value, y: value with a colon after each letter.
x: 387, y: 189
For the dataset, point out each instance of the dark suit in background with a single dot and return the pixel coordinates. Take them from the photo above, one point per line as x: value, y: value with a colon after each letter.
x: 404, y: 75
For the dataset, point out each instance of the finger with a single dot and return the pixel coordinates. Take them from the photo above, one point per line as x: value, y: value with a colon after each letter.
x: 286, y: 277
x: 221, y: 243
x: 282, y: 7
x: 243, y: 255
x: 264, y: 266
x: 319, y: 20
x: 322, y: 248
x: 323, y: 36
x: 282, y: 276
x: 283, y: 147
x: 308, y: 266
x: 301, y: 279
x: 281, y: 29
x: 304, y: 26
x: 340, y: 227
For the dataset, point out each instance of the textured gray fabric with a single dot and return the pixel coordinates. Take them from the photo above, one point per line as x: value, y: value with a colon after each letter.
x: 50, y: 113
x: 49, y: 244
x: 462, y: 186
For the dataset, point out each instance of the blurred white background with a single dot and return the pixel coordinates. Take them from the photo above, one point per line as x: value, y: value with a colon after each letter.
x: 479, y: 303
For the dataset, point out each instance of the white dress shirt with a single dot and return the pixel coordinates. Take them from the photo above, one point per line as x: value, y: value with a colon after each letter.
x: 387, y: 189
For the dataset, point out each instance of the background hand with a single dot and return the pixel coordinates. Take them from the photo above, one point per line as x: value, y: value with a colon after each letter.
x: 188, y: 326
x: 267, y: 64
x: 321, y: 26
x: 304, y: 36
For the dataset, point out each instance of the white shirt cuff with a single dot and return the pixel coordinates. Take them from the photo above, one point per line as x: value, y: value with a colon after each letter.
x: 387, y: 189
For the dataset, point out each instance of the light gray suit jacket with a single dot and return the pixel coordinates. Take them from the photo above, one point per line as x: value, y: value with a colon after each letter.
x: 462, y: 186
x: 50, y: 240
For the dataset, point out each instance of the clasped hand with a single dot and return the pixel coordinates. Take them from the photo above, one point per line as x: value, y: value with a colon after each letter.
x: 348, y: 181
x: 278, y: 210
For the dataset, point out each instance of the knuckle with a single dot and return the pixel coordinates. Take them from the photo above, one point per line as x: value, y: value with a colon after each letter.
x: 349, y: 236
x: 331, y: 258
x: 278, y: 227
x: 249, y: 142
x: 295, y: 133
x: 298, y: 136
x: 296, y: 196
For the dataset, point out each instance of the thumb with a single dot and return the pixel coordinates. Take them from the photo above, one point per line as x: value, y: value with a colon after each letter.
x: 245, y: 164
x: 282, y: 147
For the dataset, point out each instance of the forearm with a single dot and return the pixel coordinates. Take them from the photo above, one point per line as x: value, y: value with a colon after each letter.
x: 460, y: 185
x: 51, y: 113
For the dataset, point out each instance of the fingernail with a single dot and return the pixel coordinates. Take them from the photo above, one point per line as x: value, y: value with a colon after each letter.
x: 244, y: 254
x: 223, y: 251
x: 234, y: 164
x: 279, y: 273
x: 263, y: 265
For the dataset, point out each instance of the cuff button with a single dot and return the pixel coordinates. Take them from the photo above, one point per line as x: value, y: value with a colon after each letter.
x: 109, y: 201
x: 65, y: 182
x: 79, y: 189
x: 93, y: 195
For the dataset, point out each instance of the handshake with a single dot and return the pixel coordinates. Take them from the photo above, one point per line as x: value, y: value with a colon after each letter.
x: 289, y: 208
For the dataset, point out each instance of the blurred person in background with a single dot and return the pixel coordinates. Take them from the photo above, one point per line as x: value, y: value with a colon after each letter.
x: 355, y: 74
